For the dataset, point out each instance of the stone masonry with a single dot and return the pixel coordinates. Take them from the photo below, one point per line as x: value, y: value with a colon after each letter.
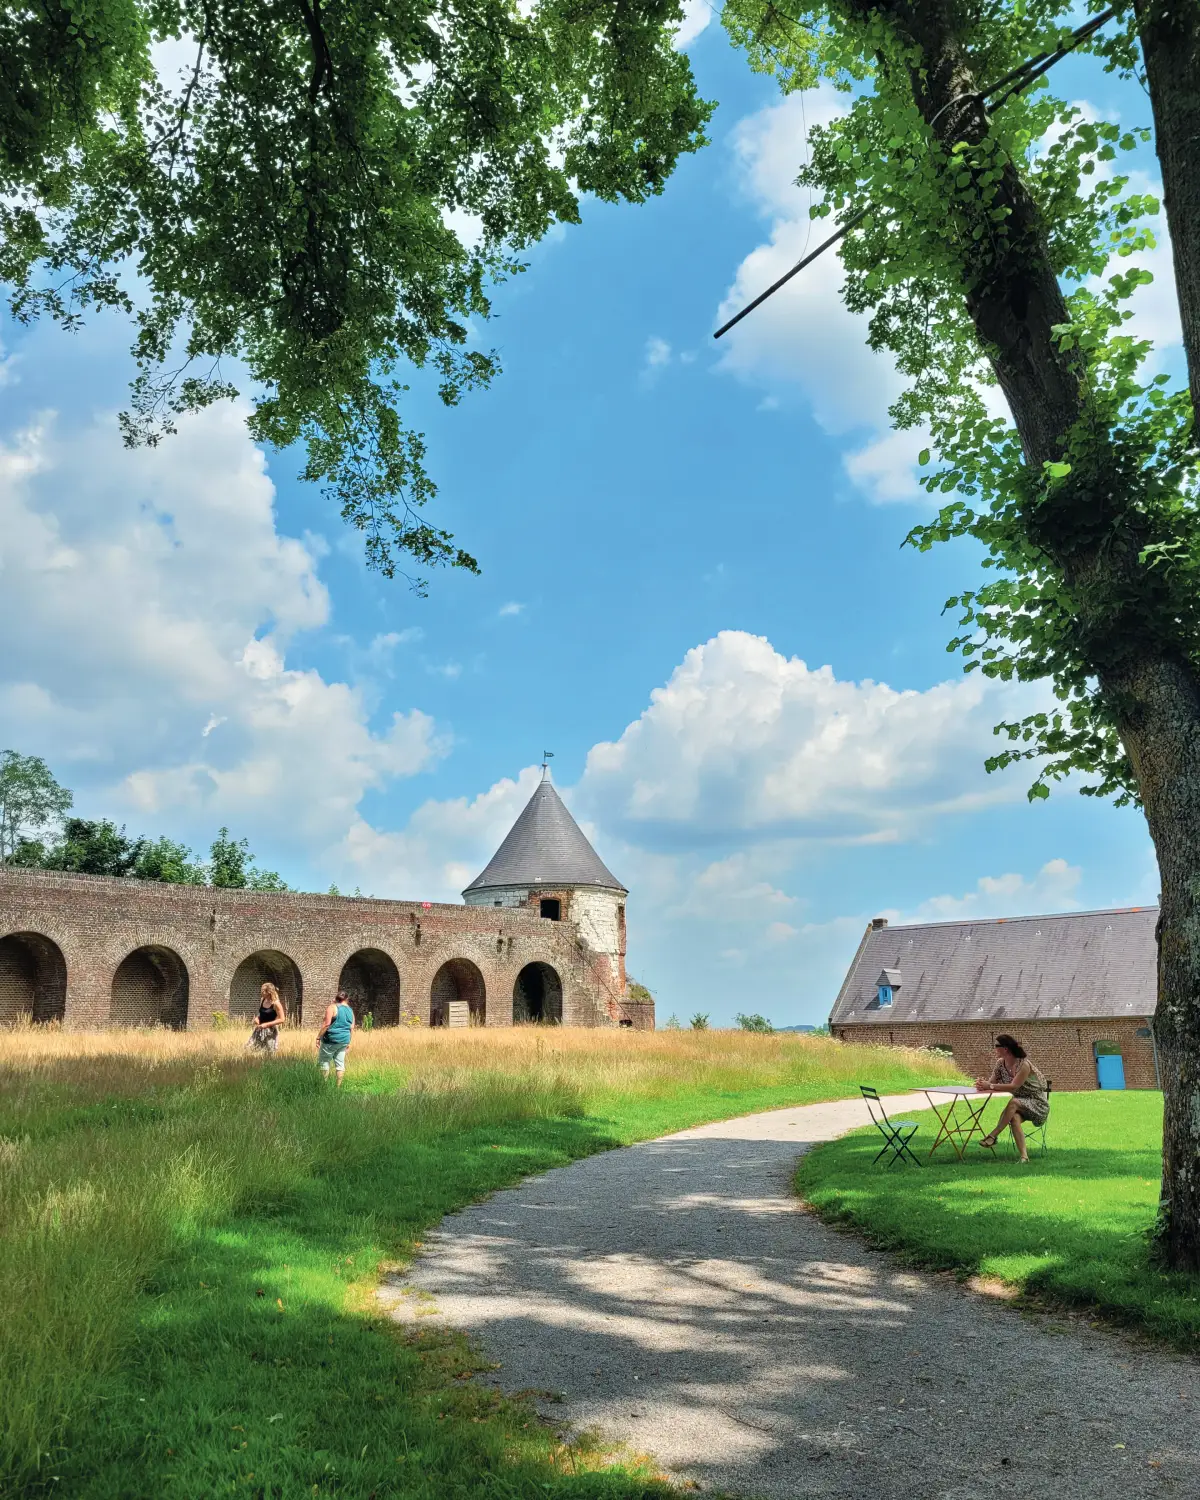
x: 92, y: 952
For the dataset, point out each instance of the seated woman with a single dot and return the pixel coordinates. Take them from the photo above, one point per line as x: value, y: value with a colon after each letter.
x: 1014, y: 1074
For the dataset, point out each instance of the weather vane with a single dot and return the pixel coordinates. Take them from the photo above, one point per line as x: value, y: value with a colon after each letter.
x: 547, y: 757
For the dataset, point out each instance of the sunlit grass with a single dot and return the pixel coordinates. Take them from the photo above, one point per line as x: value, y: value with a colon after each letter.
x: 1071, y: 1227
x: 189, y: 1238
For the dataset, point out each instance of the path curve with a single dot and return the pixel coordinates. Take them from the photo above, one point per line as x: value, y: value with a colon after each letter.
x: 678, y: 1299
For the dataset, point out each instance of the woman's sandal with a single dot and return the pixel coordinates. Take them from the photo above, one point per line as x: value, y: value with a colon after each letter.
x: 988, y: 1142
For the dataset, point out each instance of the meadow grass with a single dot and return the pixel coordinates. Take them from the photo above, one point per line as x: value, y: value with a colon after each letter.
x: 190, y: 1239
x: 1070, y: 1228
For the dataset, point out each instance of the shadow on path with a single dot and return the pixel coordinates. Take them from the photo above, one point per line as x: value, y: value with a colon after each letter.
x: 674, y: 1296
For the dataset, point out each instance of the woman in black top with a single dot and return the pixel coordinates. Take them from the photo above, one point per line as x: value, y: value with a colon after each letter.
x: 271, y: 1016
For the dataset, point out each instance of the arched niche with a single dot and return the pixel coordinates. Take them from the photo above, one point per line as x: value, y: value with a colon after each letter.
x: 538, y: 996
x: 266, y: 966
x: 151, y: 989
x: 458, y: 980
x: 33, y: 978
x: 371, y: 983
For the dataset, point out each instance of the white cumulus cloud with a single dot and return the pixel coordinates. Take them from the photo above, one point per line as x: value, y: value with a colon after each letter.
x: 1053, y: 888
x: 148, y: 589
x: 743, y: 739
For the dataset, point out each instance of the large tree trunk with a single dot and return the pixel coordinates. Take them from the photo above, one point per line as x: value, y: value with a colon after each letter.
x: 1170, y: 34
x: 1164, y: 747
x: 1092, y: 531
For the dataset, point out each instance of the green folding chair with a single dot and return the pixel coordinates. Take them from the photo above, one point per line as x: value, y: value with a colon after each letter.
x: 1037, y: 1132
x: 896, y: 1133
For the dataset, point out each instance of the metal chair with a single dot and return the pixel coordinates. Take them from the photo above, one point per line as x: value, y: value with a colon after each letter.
x: 1038, y: 1130
x: 1030, y: 1131
x: 896, y: 1133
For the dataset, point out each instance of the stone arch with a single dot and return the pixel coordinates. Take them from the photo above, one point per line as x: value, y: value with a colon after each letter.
x: 150, y: 988
x: 33, y: 978
x: 371, y: 983
x: 538, y: 995
x: 266, y: 966
x: 457, y: 980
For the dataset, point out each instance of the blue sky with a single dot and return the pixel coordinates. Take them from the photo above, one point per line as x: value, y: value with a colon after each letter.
x: 693, y: 592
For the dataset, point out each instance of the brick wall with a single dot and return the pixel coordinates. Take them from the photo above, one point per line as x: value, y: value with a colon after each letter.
x: 599, y: 916
x: 1062, y: 1050
x: 176, y: 952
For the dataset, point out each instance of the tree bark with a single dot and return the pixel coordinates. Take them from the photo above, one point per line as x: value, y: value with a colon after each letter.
x: 1170, y: 36
x: 1091, y: 530
x: 1162, y: 743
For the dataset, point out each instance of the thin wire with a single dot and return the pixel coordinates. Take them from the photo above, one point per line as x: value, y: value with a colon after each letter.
x: 850, y: 224
x: 1020, y: 78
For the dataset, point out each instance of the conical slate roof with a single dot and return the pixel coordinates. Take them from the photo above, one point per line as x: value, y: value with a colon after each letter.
x: 545, y: 846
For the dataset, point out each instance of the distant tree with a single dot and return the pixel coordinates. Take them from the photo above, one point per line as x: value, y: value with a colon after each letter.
x: 31, y: 801
x: 163, y: 859
x: 754, y: 1023
x: 30, y: 854
x: 94, y: 847
x: 672, y: 1023
x: 699, y: 1022
x: 231, y: 867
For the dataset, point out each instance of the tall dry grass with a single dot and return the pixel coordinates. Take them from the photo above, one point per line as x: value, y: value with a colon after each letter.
x: 117, y: 1148
x: 95, y: 1065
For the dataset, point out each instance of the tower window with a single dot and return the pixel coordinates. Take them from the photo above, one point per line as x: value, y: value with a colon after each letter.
x: 886, y: 994
x: 551, y: 908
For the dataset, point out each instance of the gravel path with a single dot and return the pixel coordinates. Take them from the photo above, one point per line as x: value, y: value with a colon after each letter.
x: 674, y: 1296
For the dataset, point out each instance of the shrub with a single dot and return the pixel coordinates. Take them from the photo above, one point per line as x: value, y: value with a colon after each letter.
x: 754, y: 1023
x: 699, y: 1022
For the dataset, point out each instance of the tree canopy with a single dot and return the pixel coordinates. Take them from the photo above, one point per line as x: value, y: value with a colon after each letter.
x: 31, y: 801
x: 291, y: 182
x: 35, y: 834
x: 96, y: 846
x: 988, y: 239
x: 1109, y: 448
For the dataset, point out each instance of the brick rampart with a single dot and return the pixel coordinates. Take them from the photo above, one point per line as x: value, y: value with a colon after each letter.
x: 178, y: 949
x: 1062, y: 1050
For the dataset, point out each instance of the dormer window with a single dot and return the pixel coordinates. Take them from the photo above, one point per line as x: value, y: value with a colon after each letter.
x: 886, y: 986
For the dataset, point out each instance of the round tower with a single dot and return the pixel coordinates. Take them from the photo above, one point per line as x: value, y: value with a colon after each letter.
x: 546, y: 862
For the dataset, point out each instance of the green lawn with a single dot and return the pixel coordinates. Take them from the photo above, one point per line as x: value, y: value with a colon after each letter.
x: 1071, y: 1227
x: 189, y: 1244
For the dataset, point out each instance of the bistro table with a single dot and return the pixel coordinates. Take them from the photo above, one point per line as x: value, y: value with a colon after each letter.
x: 960, y: 1115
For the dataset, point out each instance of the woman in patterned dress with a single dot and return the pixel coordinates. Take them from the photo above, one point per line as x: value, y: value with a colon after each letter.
x: 1014, y: 1074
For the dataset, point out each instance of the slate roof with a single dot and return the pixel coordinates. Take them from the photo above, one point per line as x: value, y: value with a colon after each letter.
x: 547, y: 847
x: 1067, y: 967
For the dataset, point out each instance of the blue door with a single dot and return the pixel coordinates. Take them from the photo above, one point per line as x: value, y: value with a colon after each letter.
x: 1110, y: 1071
